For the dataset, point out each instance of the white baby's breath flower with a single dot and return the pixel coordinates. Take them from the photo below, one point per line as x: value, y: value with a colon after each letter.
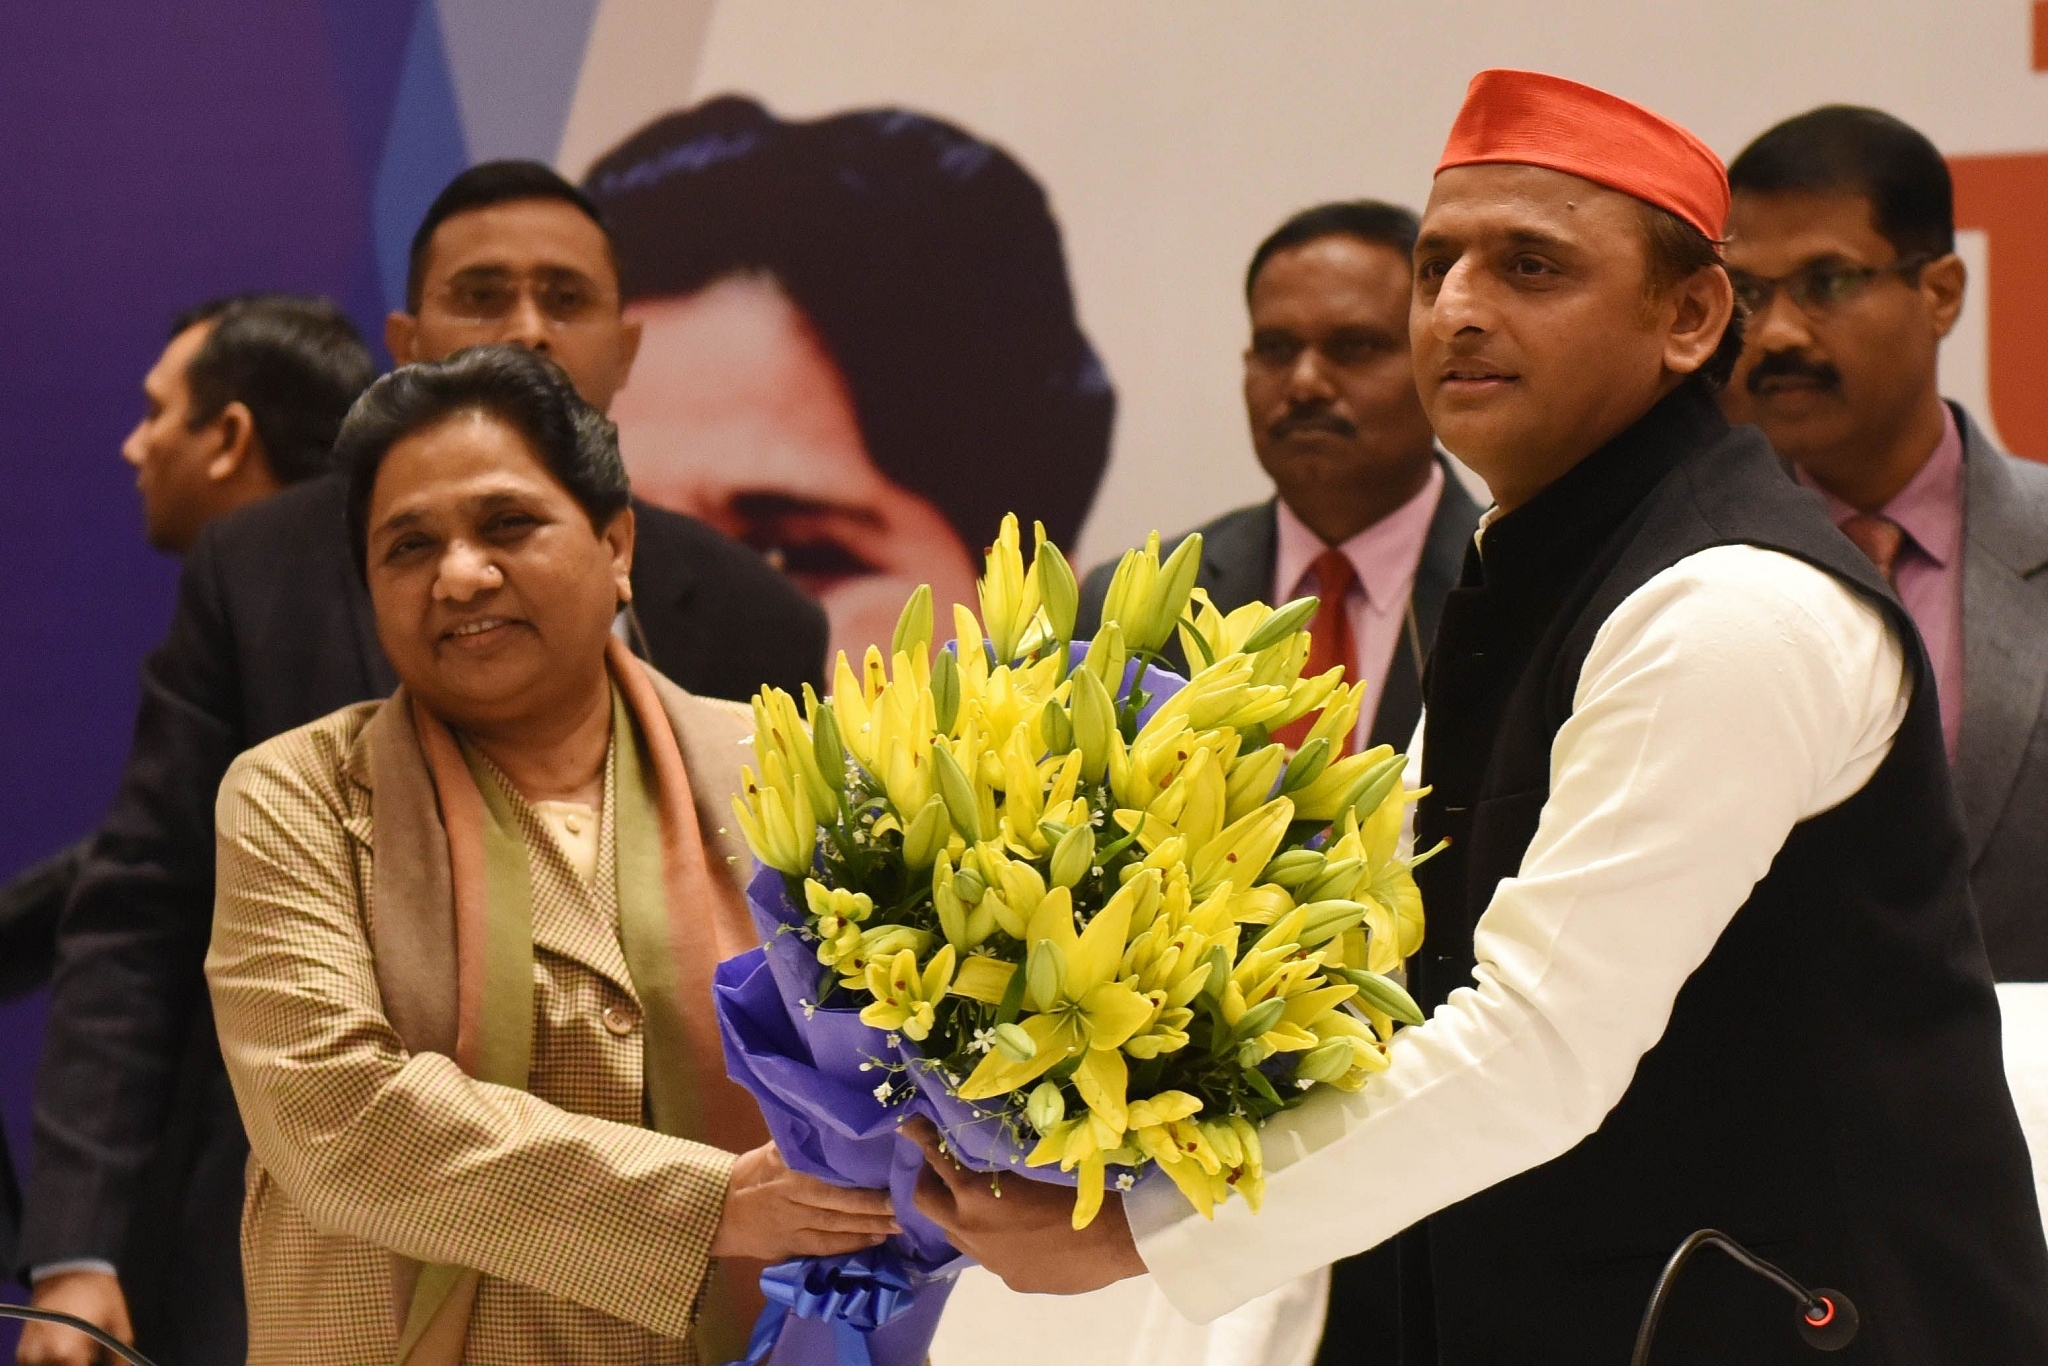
x: 1125, y: 1181
x: 982, y: 1042
x: 884, y: 1091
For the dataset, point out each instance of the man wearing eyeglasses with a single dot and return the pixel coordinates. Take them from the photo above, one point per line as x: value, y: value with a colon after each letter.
x: 1842, y: 249
x: 136, y: 1193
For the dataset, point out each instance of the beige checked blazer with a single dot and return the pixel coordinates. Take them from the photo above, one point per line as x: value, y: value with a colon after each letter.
x: 592, y: 1231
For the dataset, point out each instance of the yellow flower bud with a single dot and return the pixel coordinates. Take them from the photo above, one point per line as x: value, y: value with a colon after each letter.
x: 1013, y: 1043
x: 1073, y: 856
x: 1047, y: 1107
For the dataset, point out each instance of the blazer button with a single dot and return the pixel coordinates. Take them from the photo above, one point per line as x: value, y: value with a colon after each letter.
x: 619, y: 1020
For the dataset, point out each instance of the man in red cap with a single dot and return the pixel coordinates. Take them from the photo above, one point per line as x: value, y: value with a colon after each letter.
x: 1700, y: 951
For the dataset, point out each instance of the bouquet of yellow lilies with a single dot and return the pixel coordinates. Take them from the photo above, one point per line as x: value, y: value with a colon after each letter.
x: 1087, y: 913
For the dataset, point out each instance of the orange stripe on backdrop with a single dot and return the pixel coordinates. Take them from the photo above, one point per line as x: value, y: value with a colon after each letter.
x: 2041, y: 35
x: 2006, y: 198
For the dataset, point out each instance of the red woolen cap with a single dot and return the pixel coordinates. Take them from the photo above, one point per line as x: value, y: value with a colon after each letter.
x: 1532, y: 119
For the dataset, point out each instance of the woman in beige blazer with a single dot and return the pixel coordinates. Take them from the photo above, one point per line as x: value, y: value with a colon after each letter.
x: 464, y: 937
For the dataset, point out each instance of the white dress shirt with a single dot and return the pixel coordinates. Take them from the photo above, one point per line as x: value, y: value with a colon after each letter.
x: 1730, y: 697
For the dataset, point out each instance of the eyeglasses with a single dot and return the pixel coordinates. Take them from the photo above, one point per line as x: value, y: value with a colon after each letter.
x: 1821, y: 287
x: 562, y: 298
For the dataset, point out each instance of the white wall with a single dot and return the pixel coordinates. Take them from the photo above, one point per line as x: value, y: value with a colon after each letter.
x: 1173, y: 134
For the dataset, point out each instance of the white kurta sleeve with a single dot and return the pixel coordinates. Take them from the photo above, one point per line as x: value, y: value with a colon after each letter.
x: 1733, y: 695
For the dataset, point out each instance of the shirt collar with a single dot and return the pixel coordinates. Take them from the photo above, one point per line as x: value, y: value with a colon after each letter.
x: 1383, y: 556
x: 1929, y: 509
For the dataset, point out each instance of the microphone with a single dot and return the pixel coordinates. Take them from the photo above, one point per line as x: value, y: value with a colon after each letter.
x: 112, y: 1344
x: 1827, y: 1320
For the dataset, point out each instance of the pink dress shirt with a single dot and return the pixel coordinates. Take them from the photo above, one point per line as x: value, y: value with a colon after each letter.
x: 1384, y: 557
x: 1929, y: 571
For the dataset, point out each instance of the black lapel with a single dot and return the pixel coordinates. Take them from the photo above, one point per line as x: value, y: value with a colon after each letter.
x: 664, y: 586
x: 378, y: 680
x: 1237, y: 555
x: 1443, y: 556
x: 1443, y: 553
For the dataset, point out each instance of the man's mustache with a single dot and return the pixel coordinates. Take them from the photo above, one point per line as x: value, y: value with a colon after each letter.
x: 1313, y: 418
x: 1792, y: 365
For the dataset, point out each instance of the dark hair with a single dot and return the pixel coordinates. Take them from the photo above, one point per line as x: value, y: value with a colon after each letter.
x: 1368, y: 220
x: 1677, y: 251
x: 931, y: 267
x: 1842, y: 147
x: 479, y: 187
x: 294, y: 360
x: 528, y: 392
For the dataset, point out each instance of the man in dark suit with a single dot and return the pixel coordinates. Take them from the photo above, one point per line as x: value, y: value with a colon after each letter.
x: 139, y: 1149
x: 1842, y: 245
x: 244, y: 400
x: 1369, y: 515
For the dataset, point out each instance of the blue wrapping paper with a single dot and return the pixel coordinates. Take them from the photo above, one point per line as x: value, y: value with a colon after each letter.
x: 834, y: 1092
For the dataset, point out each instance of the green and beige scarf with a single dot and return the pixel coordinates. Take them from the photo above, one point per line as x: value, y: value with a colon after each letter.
x: 454, y: 945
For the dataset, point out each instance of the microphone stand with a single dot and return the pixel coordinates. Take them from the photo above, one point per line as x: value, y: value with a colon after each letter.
x: 1827, y: 1320
x: 106, y: 1340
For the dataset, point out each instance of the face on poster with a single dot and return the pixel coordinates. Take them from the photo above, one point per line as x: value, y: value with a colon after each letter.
x: 1162, y: 145
x: 859, y: 348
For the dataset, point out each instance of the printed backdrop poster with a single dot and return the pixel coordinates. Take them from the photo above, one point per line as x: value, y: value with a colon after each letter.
x: 1167, y: 139
x: 902, y: 266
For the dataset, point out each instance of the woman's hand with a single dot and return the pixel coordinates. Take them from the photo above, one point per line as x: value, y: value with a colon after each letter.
x: 773, y: 1213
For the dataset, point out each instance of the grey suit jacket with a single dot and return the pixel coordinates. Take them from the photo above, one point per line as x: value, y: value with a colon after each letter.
x: 2002, y: 754
x: 1237, y: 567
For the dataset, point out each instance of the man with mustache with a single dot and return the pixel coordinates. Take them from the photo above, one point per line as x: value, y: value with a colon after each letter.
x: 1842, y: 245
x: 1368, y: 515
x: 1701, y: 953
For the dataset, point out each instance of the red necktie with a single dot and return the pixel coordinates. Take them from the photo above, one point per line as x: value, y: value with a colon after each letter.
x: 1329, y: 642
x: 1878, y: 537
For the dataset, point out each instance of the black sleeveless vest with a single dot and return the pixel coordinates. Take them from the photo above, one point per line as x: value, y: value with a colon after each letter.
x: 1830, y: 1087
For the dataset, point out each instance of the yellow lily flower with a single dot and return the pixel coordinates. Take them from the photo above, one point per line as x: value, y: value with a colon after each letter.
x: 1087, y: 1009
x: 1207, y: 1160
x: 964, y: 924
x: 1339, y: 716
x: 1242, y: 848
x: 881, y: 943
x: 852, y: 702
x: 1009, y: 596
x: 1015, y: 889
x: 1086, y: 1142
x: 1368, y: 1051
x: 1251, y: 781
x: 1024, y: 793
x: 1131, y: 589
x: 1167, y: 601
x: 1322, y: 800
x: 775, y: 815
x: 837, y: 915
x: 984, y: 979
x: 1167, y: 1031
x: 1390, y: 881
x: 779, y: 727
x: 904, y: 997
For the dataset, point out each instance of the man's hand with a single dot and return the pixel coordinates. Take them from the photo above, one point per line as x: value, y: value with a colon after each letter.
x: 93, y: 1296
x: 1025, y: 1235
x: 773, y: 1213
